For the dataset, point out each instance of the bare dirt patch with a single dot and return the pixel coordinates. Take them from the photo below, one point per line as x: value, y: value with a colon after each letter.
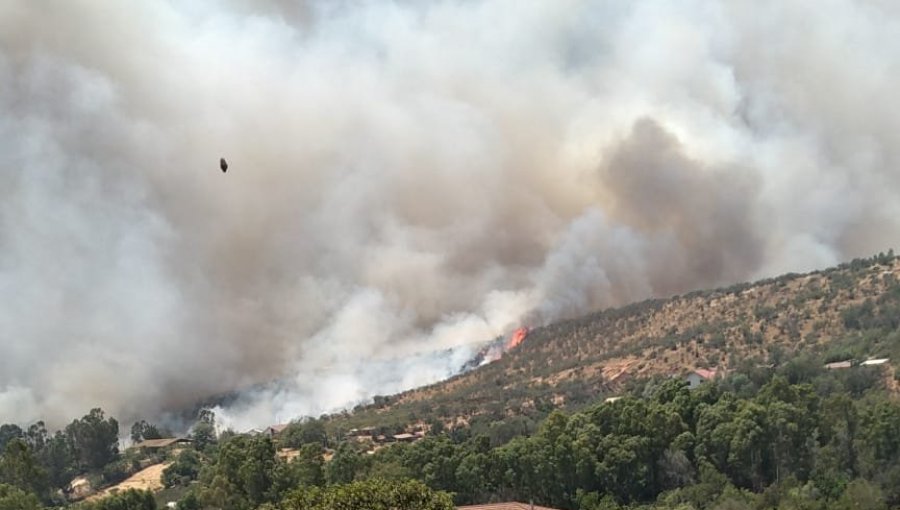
x: 149, y: 478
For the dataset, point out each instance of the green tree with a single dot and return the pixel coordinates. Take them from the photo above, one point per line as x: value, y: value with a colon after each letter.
x: 19, y: 468
x: 241, y: 478
x: 311, y: 430
x: 306, y: 469
x: 711, y: 485
x: 13, y: 498
x: 203, y: 433
x: 185, y: 469
x: 52, y: 452
x: 130, y: 499
x: 189, y: 502
x: 860, y: 495
x: 58, y: 459
x: 37, y: 436
x: 142, y: 430
x: 345, y: 465
x: 593, y: 501
x: 94, y: 439
x: 369, y: 495
x: 8, y: 432
x: 437, y: 427
x: 675, y: 469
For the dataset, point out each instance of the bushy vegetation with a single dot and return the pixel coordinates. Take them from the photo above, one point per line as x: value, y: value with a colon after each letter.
x: 14, y: 498
x: 42, y: 464
x: 793, y: 437
x: 130, y: 499
x: 752, y: 441
x: 371, y: 495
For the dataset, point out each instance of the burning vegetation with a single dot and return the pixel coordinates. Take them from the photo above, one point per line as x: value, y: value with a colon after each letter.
x: 495, y: 349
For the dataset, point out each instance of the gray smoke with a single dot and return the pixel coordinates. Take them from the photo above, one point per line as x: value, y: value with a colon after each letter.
x: 406, y: 178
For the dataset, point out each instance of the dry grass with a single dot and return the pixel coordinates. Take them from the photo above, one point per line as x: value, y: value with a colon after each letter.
x: 149, y: 478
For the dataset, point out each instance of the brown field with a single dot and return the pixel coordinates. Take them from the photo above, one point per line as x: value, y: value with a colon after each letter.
x: 149, y: 478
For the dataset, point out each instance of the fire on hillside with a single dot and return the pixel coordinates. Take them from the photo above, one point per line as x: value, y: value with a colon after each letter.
x: 495, y: 349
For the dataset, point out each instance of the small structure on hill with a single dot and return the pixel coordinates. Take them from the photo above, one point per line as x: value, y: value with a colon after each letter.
x: 274, y: 430
x: 405, y: 438
x: 511, y: 505
x: 837, y: 365
x: 365, y: 431
x: 152, y: 445
x: 700, y: 376
x: 874, y: 362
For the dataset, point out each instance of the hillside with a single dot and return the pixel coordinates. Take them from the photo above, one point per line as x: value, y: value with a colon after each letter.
x: 846, y: 312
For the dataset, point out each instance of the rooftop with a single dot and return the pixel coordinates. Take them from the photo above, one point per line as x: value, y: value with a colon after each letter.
x: 278, y: 429
x: 161, y: 443
x: 512, y: 505
x: 706, y: 374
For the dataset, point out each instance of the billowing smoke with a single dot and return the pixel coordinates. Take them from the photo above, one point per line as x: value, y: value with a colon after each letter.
x: 406, y: 179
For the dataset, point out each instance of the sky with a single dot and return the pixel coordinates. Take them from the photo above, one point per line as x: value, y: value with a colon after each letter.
x: 406, y: 180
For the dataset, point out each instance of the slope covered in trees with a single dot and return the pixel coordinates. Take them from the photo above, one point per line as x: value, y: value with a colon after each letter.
x: 795, y: 437
x: 847, y: 312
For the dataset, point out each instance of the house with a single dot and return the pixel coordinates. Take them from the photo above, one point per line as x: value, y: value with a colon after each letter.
x: 610, y: 400
x: 274, y: 430
x: 839, y: 365
x: 512, y: 505
x: 700, y: 376
x: 405, y: 438
x: 160, y: 444
x: 365, y: 431
x: 874, y: 362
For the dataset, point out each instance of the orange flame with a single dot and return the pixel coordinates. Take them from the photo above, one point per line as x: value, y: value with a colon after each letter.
x: 517, y: 337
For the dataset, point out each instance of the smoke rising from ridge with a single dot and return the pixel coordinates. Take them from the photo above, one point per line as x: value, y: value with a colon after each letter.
x: 406, y: 178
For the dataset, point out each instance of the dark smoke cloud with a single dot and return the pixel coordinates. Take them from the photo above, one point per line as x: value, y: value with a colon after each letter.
x: 653, y: 186
x: 405, y: 178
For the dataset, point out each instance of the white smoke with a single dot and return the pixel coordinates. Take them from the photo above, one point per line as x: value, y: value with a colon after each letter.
x: 406, y: 178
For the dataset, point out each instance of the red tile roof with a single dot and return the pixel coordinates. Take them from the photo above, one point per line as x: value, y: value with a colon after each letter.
x: 277, y: 429
x: 512, y: 505
x: 706, y: 374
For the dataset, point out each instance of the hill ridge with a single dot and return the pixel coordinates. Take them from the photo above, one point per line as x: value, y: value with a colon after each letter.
x: 577, y: 360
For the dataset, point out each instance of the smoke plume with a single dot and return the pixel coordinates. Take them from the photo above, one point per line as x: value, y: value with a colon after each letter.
x: 406, y: 179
